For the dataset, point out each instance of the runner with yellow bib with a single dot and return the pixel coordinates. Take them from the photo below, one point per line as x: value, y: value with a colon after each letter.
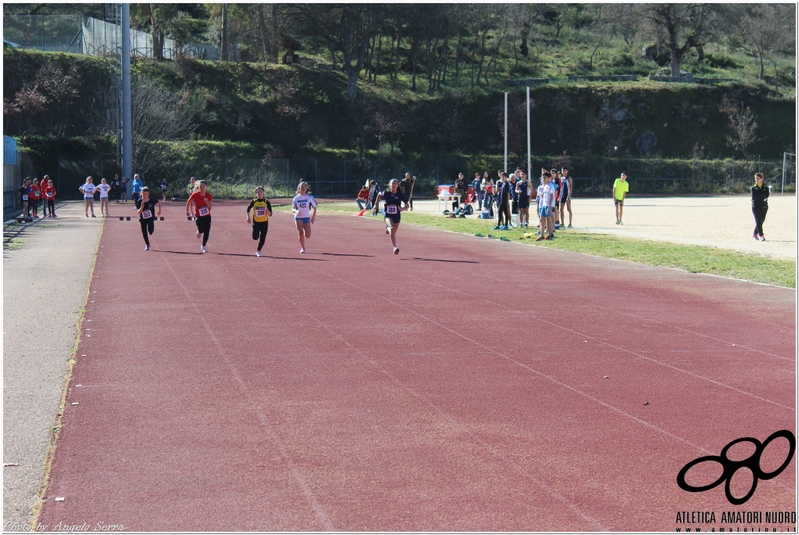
x: 260, y: 219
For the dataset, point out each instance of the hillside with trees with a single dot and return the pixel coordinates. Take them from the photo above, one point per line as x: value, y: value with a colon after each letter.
x: 407, y: 81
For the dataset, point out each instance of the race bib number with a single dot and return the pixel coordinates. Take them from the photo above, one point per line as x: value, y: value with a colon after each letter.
x: 50, y: 195
x: 146, y: 214
x: 391, y: 209
x: 203, y: 211
x: 24, y: 197
x: 260, y: 212
x: 302, y: 205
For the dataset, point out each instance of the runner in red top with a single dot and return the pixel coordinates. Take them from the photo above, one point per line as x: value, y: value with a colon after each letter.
x: 202, y: 212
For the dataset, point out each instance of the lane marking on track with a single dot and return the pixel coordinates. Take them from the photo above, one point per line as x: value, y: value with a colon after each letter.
x: 542, y: 374
x: 585, y: 337
x: 285, y: 455
x: 445, y: 416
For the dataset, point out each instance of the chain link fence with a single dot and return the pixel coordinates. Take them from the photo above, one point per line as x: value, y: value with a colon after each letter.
x: 237, y: 178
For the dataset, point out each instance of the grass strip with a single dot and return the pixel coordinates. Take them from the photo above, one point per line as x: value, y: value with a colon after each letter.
x: 691, y: 258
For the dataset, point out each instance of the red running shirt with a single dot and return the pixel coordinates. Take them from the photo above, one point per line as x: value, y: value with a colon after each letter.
x: 201, y: 207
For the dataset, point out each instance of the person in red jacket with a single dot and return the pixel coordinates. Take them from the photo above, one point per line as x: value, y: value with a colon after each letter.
x: 49, y: 195
x: 35, y: 197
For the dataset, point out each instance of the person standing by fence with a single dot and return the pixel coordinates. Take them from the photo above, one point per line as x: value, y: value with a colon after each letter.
x: 407, y: 188
x: 620, y: 189
x: 88, y: 190
x: 759, y: 206
x: 566, y: 197
x: 49, y: 194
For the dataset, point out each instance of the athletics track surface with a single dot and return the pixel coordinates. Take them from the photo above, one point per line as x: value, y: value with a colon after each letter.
x: 466, y: 384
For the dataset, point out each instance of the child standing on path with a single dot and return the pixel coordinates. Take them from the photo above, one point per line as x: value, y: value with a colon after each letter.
x: 35, y: 194
x: 620, y: 189
x: 301, y: 208
x: 103, y: 188
x: 260, y: 219
x: 24, y: 199
x: 49, y: 194
x: 759, y: 205
x: 393, y: 198
x: 88, y: 195
x: 148, y: 209
x: 202, y: 213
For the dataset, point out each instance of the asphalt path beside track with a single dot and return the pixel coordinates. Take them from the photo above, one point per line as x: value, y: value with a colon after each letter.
x: 46, y: 275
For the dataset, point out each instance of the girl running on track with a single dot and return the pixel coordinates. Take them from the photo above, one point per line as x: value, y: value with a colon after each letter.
x: 148, y: 210
x: 104, y: 188
x: 393, y: 197
x: 202, y: 212
x: 260, y: 219
x: 301, y: 207
x: 88, y: 195
x: 49, y: 194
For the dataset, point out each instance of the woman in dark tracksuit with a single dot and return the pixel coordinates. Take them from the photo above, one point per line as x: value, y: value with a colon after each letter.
x: 759, y: 206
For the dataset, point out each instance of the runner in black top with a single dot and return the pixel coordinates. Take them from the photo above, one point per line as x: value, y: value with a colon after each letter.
x: 148, y: 210
x: 393, y: 198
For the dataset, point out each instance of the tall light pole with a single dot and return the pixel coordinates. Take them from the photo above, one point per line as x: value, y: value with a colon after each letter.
x: 506, y: 132
x: 127, y: 129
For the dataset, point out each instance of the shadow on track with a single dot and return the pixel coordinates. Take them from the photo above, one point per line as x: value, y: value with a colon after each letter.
x: 441, y: 260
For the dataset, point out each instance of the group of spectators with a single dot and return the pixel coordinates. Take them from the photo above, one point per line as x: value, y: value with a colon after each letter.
x: 35, y: 192
x: 512, y: 194
x: 32, y: 193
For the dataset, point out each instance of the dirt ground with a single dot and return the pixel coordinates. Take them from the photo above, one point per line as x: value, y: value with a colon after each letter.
x: 717, y: 221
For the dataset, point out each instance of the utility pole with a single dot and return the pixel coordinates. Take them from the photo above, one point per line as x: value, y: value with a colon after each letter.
x: 127, y: 129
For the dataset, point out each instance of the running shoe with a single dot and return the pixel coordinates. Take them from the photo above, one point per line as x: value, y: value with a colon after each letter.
x: 258, y: 254
x: 94, y: 215
x: 503, y: 227
x: 618, y: 222
x: 87, y: 215
x: 754, y: 237
x: 762, y: 238
x: 396, y: 250
x: 621, y: 222
x: 540, y: 238
x: 549, y: 238
x: 146, y: 247
x: 496, y: 228
x: 203, y: 249
x: 302, y: 250
x: 569, y: 226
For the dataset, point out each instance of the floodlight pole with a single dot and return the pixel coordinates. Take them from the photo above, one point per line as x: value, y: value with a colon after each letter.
x: 127, y: 141
x: 529, y: 162
x: 506, y: 132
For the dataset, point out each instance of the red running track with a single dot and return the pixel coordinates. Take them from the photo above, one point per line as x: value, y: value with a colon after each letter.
x: 465, y: 384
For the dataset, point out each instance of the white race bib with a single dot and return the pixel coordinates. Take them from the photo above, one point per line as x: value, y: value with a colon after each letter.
x: 203, y: 211
x: 146, y: 214
x: 391, y: 209
x: 24, y: 197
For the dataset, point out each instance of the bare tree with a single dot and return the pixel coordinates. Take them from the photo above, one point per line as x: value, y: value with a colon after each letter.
x: 742, y: 124
x: 681, y: 27
x: 768, y: 28
x: 156, y: 115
